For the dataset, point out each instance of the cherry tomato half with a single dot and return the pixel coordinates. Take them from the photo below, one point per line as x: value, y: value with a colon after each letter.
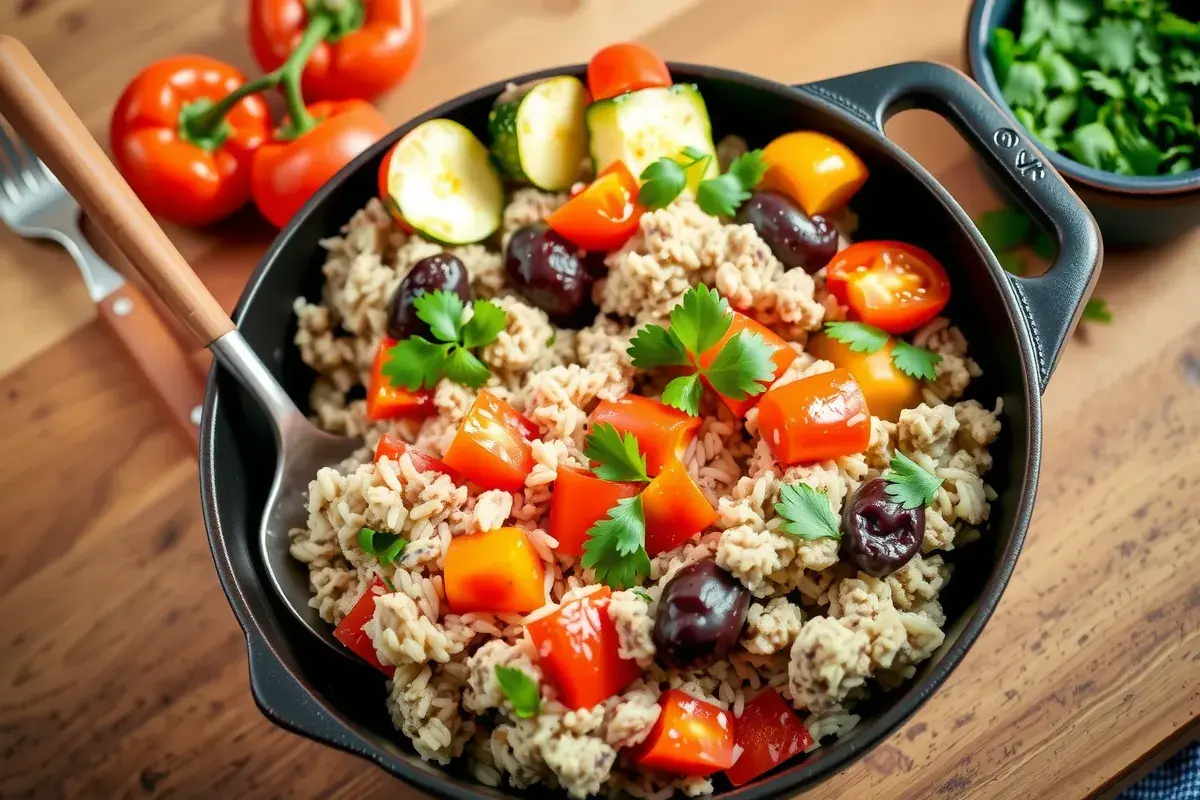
x: 894, y: 286
x: 625, y: 67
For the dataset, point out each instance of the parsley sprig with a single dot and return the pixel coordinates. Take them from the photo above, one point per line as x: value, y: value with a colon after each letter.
x: 385, y: 546
x: 520, y: 689
x: 665, y: 179
x: 807, y: 511
x: 417, y: 363
x: 743, y: 367
x: 616, y: 546
x: 909, y: 484
x: 916, y: 362
x: 617, y: 457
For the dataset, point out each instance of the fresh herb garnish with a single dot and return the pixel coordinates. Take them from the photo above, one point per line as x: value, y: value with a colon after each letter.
x: 616, y: 546
x: 415, y: 363
x: 909, y: 484
x: 1096, y: 310
x: 807, y: 512
x: 742, y: 367
x: 665, y: 179
x: 916, y: 362
x: 385, y: 546
x: 616, y: 457
x: 1113, y: 85
x: 520, y: 689
x: 643, y: 594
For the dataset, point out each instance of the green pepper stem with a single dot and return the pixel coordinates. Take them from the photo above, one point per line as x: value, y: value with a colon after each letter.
x: 319, y: 26
x: 208, y: 122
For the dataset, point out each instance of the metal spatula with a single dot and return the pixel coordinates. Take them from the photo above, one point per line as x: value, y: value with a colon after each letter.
x: 38, y: 112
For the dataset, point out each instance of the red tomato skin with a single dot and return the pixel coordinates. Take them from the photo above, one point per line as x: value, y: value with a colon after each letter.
x: 580, y: 500
x: 393, y: 447
x: 625, y: 67
x: 604, y: 214
x: 362, y: 64
x: 350, y: 630
x: 663, y: 433
x: 176, y: 179
x: 577, y: 649
x: 850, y: 271
x: 491, y: 447
x: 815, y: 418
x: 782, y: 355
x: 385, y: 401
x: 691, y: 737
x: 768, y: 733
x: 286, y: 173
x: 675, y: 509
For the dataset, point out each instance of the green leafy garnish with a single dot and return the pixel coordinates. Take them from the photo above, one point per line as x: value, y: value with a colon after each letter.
x: 616, y: 546
x: 743, y: 367
x: 909, y: 484
x: 520, y: 690
x: 385, y: 546
x: 684, y: 393
x: 807, y: 512
x: 916, y: 362
x: 665, y: 179
x: 417, y: 363
x: 656, y: 346
x: 700, y: 319
x: 1096, y: 310
x: 616, y: 457
x: 643, y: 594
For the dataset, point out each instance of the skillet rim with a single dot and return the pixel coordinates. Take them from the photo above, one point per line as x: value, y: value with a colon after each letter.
x: 799, y: 776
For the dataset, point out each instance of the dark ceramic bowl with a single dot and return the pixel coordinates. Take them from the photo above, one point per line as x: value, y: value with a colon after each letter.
x: 1016, y: 327
x: 1130, y: 209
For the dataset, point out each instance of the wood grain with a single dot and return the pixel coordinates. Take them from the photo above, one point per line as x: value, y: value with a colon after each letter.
x: 124, y: 672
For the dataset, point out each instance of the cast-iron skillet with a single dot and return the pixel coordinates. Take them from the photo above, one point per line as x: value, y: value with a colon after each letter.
x: 1016, y: 328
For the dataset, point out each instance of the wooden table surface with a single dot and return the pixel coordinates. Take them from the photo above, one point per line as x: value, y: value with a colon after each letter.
x: 123, y: 671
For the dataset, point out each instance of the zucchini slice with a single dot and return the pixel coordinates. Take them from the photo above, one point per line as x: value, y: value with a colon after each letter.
x: 538, y: 132
x: 641, y: 127
x: 443, y: 184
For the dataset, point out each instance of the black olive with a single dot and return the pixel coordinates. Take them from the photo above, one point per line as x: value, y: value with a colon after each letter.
x: 879, y: 534
x: 551, y: 273
x: 795, y: 238
x: 440, y: 271
x: 700, y: 616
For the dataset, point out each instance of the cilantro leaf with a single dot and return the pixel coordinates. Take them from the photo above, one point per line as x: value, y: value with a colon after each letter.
x: 721, y: 196
x: 1093, y: 145
x: 914, y: 361
x: 415, y: 363
x: 701, y: 319
x: 655, y: 346
x: 465, y: 368
x: 520, y: 690
x: 1096, y: 310
x: 1113, y: 43
x: 743, y: 367
x: 807, y: 512
x: 1003, y: 49
x: 684, y: 393
x: 442, y: 311
x: 748, y: 168
x: 1025, y: 86
x: 694, y: 155
x: 617, y: 456
x: 643, y: 594
x: 662, y: 181
x: 861, y: 337
x: 616, y: 546
x: 909, y: 484
x: 485, y: 325
x: 1004, y: 228
x: 384, y: 545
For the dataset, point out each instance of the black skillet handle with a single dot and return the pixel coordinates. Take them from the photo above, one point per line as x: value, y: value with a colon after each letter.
x: 1052, y: 302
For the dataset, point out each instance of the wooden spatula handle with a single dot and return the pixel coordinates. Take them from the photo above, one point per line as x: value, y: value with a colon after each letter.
x: 38, y: 112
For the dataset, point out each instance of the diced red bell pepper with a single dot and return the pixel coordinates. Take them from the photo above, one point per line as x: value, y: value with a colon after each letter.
x: 393, y: 447
x: 492, y: 446
x: 604, y: 215
x: 781, y: 354
x: 494, y: 571
x: 350, y: 630
x: 768, y: 733
x: 580, y: 500
x: 385, y: 401
x: 577, y: 650
x: 691, y: 737
x: 815, y: 418
x: 675, y: 509
x: 663, y: 433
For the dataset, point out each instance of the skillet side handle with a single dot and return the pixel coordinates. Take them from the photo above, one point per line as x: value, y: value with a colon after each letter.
x: 284, y: 702
x: 1052, y: 302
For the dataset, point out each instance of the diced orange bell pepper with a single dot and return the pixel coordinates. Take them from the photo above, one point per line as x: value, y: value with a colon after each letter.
x: 675, y: 509
x: 815, y: 418
x: 817, y: 171
x: 492, y: 446
x: 393, y: 447
x: 604, y: 215
x: 663, y: 433
x: 580, y: 500
x: 385, y: 401
x: 577, y: 650
x: 494, y: 571
x: 781, y: 354
x: 350, y: 630
x: 767, y: 734
x: 691, y: 737
x: 888, y: 391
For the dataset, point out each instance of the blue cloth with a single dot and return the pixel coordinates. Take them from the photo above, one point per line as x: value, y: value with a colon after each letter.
x: 1177, y: 779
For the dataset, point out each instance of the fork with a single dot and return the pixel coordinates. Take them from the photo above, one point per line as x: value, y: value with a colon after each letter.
x: 34, y: 204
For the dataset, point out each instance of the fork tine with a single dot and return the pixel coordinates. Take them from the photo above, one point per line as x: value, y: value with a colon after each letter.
x: 19, y: 167
x: 39, y: 171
